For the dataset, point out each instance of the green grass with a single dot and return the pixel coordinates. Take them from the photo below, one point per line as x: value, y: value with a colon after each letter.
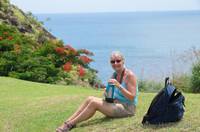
x: 35, y: 107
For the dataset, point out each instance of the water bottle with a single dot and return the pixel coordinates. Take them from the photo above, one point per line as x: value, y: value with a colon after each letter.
x: 110, y: 92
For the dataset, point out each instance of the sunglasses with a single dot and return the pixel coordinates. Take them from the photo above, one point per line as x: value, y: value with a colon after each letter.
x: 113, y: 61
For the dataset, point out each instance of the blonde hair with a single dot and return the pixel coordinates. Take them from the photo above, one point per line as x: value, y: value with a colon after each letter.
x: 117, y: 53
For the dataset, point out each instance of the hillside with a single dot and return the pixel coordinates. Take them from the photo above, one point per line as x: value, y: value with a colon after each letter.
x: 35, y: 107
x: 26, y: 23
x: 29, y: 52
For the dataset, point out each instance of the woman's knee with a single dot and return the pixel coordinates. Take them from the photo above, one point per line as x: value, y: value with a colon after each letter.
x: 89, y: 99
x: 95, y: 103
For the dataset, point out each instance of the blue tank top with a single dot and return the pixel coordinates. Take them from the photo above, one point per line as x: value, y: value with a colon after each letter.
x: 119, y: 95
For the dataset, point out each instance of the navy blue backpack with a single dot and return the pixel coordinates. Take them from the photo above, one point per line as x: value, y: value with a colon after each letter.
x: 167, y: 106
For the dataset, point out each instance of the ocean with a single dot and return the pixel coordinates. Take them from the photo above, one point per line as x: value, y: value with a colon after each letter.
x: 153, y: 43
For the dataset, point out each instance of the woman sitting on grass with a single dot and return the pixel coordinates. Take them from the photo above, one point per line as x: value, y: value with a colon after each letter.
x: 125, y: 95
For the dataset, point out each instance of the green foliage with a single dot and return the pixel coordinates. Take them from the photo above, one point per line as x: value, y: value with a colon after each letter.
x: 38, y: 69
x: 33, y: 19
x: 50, y: 62
x: 4, y: 4
x: 149, y: 85
x: 193, y: 56
x: 182, y: 82
x: 19, y: 15
x: 7, y: 63
x: 28, y: 51
x: 196, y: 77
x: 190, y: 81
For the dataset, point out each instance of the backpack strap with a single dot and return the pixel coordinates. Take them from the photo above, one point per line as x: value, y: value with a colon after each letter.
x: 121, y: 78
x: 174, y: 92
x: 114, y: 76
x: 167, y: 81
x: 174, y: 97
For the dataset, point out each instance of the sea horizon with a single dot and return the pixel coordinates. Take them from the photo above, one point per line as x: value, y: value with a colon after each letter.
x: 150, y: 41
x: 117, y: 12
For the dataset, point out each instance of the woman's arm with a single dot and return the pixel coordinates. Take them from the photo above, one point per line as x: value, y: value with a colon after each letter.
x: 130, y: 81
x: 130, y: 92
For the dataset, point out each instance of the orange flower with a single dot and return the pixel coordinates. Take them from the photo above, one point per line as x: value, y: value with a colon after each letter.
x: 85, y: 59
x: 10, y: 38
x: 60, y: 50
x: 1, y: 38
x: 71, y: 49
x: 5, y: 33
x: 81, y: 71
x: 67, y: 67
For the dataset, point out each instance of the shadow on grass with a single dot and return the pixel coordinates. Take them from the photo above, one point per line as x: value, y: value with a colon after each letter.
x: 160, y: 126
x: 96, y: 121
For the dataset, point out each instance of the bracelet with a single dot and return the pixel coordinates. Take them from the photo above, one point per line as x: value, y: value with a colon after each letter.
x: 120, y: 87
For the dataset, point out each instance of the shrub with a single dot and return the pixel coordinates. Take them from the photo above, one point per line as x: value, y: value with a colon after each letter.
x: 149, y: 85
x: 182, y: 82
x: 193, y: 56
x: 195, y: 79
x: 22, y: 57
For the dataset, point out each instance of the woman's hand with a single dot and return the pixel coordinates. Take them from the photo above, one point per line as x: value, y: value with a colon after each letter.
x: 105, y: 94
x: 115, y: 82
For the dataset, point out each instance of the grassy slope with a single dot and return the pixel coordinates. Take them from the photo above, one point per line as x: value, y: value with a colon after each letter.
x: 35, y: 107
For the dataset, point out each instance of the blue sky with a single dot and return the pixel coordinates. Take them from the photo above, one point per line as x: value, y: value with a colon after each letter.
x: 74, y: 6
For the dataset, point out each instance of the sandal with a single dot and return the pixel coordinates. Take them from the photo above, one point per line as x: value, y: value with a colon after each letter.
x: 67, y: 127
x: 67, y: 122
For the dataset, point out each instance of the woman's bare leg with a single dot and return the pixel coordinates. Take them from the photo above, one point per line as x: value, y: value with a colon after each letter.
x: 81, y: 108
x: 96, y: 104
